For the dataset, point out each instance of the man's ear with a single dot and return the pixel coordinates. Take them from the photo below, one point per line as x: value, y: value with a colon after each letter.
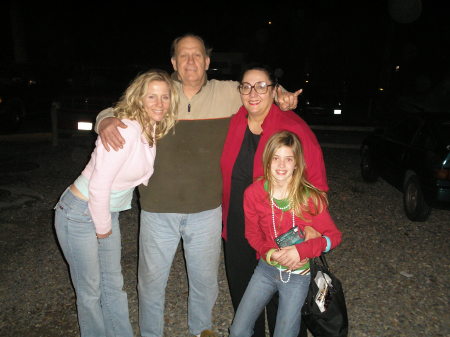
x: 207, y: 61
x: 274, y: 92
x: 174, y: 63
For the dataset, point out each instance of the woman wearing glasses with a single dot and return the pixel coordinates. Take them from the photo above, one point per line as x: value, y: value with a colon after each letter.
x: 241, y: 163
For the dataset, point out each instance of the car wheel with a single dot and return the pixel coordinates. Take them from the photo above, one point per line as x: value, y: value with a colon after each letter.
x: 368, y: 171
x: 416, y: 208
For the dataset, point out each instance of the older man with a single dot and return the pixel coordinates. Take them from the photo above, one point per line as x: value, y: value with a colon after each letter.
x: 183, y: 197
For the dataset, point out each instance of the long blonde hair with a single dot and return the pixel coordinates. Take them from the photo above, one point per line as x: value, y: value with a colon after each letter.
x: 130, y: 104
x: 303, y: 196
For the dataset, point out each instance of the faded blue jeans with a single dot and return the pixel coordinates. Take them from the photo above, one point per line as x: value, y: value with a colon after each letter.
x: 160, y: 234
x: 95, y: 269
x: 264, y: 283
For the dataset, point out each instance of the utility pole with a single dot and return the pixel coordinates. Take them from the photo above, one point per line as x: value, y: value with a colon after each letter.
x: 18, y: 32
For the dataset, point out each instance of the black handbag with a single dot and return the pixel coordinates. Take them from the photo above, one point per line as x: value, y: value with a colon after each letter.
x: 333, y: 321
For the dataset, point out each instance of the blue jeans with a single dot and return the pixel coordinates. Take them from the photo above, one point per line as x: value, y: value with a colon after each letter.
x: 95, y: 269
x: 264, y: 283
x: 159, y: 236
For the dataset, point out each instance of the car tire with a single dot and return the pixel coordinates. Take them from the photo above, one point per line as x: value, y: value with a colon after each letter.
x: 368, y: 170
x: 416, y: 208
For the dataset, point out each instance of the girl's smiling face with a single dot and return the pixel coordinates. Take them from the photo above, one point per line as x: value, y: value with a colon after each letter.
x: 283, y: 165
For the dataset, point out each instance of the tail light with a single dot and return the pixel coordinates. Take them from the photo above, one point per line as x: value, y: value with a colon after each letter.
x: 442, y: 174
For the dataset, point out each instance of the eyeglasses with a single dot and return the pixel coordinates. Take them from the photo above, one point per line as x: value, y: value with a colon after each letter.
x: 260, y: 87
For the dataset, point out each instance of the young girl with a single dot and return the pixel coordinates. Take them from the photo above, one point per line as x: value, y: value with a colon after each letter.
x: 282, y: 201
x: 86, y: 216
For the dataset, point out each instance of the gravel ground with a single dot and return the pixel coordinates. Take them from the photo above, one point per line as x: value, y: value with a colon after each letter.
x: 395, y: 272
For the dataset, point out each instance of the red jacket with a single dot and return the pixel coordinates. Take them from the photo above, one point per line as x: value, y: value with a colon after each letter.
x: 259, y: 227
x: 275, y: 121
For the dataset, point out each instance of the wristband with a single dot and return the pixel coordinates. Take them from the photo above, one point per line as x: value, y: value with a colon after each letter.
x: 268, y: 255
x: 328, y: 247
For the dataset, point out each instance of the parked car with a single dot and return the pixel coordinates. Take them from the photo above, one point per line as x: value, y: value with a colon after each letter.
x: 322, y: 104
x: 412, y: 153
x: 316, y: 109
x: 88, y: 90
x: 25, y: 92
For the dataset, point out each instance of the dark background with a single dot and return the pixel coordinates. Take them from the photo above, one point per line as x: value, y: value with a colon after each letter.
x: 347, y: 48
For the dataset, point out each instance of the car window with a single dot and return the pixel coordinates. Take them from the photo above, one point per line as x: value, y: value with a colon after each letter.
x: 403, y: 130
x: 433, y: 134
x: 426, y: 139
x: 443, y: 131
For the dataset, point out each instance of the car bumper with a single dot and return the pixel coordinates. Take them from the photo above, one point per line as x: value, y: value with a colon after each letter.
x: 443, y: 195
x: 440, y: 197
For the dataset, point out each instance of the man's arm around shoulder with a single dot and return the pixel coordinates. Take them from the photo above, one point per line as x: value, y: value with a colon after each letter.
x: 106, y: 126
x: 101, y: 116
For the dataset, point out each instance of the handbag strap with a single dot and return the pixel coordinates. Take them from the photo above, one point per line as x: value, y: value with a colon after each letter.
x: 315, y: 261
x: 324, y: 261
x: 313, y: 267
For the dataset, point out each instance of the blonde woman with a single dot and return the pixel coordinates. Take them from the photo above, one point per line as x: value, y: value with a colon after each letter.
x: 282, y: 202
x: 86, y: 216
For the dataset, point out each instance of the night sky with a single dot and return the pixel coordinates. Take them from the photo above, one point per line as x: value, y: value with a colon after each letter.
x: 337, y: 41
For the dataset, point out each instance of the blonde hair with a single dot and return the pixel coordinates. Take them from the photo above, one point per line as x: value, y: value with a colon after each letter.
x: 130, y: 105
x: 303, y: 196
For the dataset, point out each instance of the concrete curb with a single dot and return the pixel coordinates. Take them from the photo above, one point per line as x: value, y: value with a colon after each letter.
x: 340, y: 146
x: 342, y: 128
x: 26, y: 136
x: 48, y: 136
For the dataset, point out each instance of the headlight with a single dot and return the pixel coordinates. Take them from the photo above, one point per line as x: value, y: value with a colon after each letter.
x: 85, y: 126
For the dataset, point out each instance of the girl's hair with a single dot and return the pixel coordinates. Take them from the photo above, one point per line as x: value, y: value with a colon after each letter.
x: 130, y: 105
x: 303, y: 196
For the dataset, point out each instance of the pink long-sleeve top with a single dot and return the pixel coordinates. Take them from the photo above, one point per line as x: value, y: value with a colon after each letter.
x: 121, y: 170
x: 259, y: 226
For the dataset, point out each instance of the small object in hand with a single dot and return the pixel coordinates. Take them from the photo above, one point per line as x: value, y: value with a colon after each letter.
x: 207, y: 333
x: 290, y: 238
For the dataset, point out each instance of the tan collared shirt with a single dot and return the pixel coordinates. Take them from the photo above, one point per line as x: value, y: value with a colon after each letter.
x: 187, y: 176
